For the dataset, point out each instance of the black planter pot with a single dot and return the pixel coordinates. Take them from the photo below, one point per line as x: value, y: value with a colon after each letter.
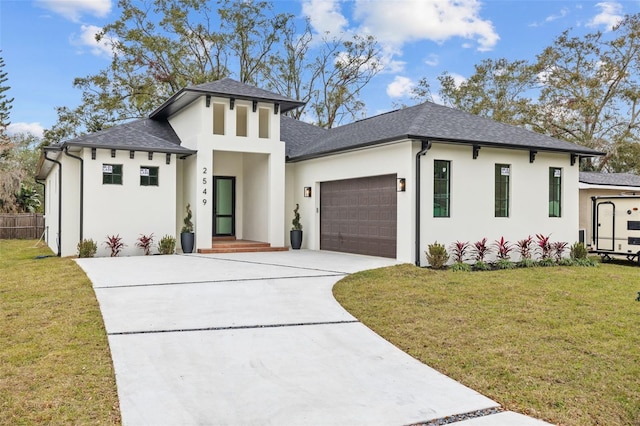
x: 296, y: 239
x: 186, y: 241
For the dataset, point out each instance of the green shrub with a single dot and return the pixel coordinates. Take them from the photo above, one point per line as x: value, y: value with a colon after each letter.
x: 546, y: 261
x: 526, y: 262
x: 585, y: 262
x: 504, y: 264
x: 565, y: 261
x: 578, y: 251
x: 460, y: 266
x: 437, y: 255
x: 87, y: 248
x: 167, y: 245
x: 481, y: 265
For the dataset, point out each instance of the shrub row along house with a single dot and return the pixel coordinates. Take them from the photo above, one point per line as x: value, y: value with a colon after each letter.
x: 386, y: 185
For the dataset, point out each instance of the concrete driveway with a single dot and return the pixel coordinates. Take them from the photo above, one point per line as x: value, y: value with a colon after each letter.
x: 257, y: 338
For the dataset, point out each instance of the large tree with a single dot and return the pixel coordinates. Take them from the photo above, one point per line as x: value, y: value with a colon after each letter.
x: 591, y: 91
x: 161, y: 46
x: 499, y: 89
x: 581, y: 89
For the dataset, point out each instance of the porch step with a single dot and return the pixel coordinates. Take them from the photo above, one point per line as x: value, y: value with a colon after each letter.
x: 239, y: 246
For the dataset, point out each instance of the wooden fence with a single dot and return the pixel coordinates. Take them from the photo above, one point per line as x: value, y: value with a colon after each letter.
x: 21, y: 226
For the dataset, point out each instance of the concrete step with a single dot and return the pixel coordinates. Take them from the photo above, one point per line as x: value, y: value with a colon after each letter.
x: 239, y: 246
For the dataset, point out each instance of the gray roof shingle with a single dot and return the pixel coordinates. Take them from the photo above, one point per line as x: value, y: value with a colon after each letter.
x: 434, y: 122
x: 226, y: 87
x: 610, y: 179
x: 138, y: 135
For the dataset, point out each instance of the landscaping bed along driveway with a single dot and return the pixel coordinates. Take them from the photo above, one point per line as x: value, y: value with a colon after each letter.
x: 257, y: 339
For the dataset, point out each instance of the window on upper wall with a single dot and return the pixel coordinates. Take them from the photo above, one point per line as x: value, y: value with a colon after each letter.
x: 441, y: 188
x: 112, y: 174
x: 555, y: 192
x: 148, y: 176
x: 218, y: 119
x: 263, y: 123
x: 502, y: 181
x: 241, y: 120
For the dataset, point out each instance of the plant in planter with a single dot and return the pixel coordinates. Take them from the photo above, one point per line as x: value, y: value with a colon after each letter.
x: 145, y: 242
x: 187, y: 235
x: 296, y: 230
x: 167, y: 245
x: 115, y: 244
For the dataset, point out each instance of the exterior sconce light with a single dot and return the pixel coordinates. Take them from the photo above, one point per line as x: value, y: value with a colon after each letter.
x: 307, y: 191
x: 401, y: 185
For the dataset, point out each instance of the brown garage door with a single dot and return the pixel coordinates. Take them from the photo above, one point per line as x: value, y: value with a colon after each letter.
x: 359, y: 215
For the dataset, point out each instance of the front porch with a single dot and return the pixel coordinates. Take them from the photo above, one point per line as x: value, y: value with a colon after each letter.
x: 232, y: 245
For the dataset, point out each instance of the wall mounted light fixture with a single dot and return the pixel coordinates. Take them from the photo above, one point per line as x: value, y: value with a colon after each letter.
x: 307, y: 191
x: 401, y: 185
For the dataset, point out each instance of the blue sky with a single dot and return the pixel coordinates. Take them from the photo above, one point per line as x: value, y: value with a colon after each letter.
x: 47, y: 43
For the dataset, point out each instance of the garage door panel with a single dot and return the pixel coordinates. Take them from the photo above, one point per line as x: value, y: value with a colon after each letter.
x: 359, y: 215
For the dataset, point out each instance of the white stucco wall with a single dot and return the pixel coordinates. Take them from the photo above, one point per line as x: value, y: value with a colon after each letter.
x: 382, y: 160
x: 129, y: 210
x: 472, y: 194
x: 257, y: 163
x: 472, y: 197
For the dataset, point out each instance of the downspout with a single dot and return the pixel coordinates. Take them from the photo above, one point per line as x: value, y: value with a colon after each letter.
x: 66, y: 151
x: 426, y: 146
x: 59, y: 201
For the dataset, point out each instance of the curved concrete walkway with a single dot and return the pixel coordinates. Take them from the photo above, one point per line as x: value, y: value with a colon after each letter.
x: 258, y: 339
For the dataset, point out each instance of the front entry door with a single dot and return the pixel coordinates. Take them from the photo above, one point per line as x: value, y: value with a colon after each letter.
x: 224, y: 206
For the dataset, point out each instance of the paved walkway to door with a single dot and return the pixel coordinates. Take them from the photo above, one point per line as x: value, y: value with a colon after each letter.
x: 258, y: 339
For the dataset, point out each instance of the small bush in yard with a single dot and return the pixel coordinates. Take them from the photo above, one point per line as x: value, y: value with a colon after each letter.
x: 558, y: 249
x: 87, y: 248
x: 167, y: 245
x: 145, y: 242
x: 437, y: 255
x: 578, y: 251
x: 504, y: 264
x: 544, y: 247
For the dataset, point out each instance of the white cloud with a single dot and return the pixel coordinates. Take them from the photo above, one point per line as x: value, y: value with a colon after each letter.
x: 35, y: 129
x: 432, y: 60
x: 325, y: 16
x: 400, y: 87
x: 610, y: 15
x: 74, y: 9
x: 436, y: 20
x: 87, y: 38
x: 563, y: 13
x: 457, y: 79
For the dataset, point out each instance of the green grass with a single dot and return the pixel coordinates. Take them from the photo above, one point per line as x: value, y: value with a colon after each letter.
x: 55, y: 364
x: 561, y: 344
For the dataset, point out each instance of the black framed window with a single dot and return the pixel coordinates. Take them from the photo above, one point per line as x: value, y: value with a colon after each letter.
x: 148, y: 176
x: 112, y: 174
x: 441, y: 188
x: 555, y: 192
x: 502, y: 182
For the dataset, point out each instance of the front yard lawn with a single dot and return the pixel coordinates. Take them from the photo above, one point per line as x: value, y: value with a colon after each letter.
x: 561, y: 344
x: 55, y: 365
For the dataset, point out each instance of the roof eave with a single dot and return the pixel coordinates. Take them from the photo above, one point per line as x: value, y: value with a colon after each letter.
x: 579, y: 152
x: 181, y: 151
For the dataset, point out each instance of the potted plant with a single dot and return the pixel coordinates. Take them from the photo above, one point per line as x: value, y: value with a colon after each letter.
x: 296, y: 231
x: 187, y: 235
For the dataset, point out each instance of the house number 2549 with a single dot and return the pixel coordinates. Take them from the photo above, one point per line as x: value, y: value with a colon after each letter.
x: 204, y: 182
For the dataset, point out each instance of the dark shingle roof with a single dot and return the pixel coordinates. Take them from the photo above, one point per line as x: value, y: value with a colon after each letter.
x: 611, y: 179
x: 433, y: 122
x: 298, y: 135
x: 138, y: 135
x: 227, y: 88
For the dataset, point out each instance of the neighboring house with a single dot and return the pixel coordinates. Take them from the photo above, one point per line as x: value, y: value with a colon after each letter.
x: 595, y: 184
x: 388, y: 185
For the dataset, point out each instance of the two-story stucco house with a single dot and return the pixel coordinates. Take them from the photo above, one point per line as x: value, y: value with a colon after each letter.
x: 388, y: 185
